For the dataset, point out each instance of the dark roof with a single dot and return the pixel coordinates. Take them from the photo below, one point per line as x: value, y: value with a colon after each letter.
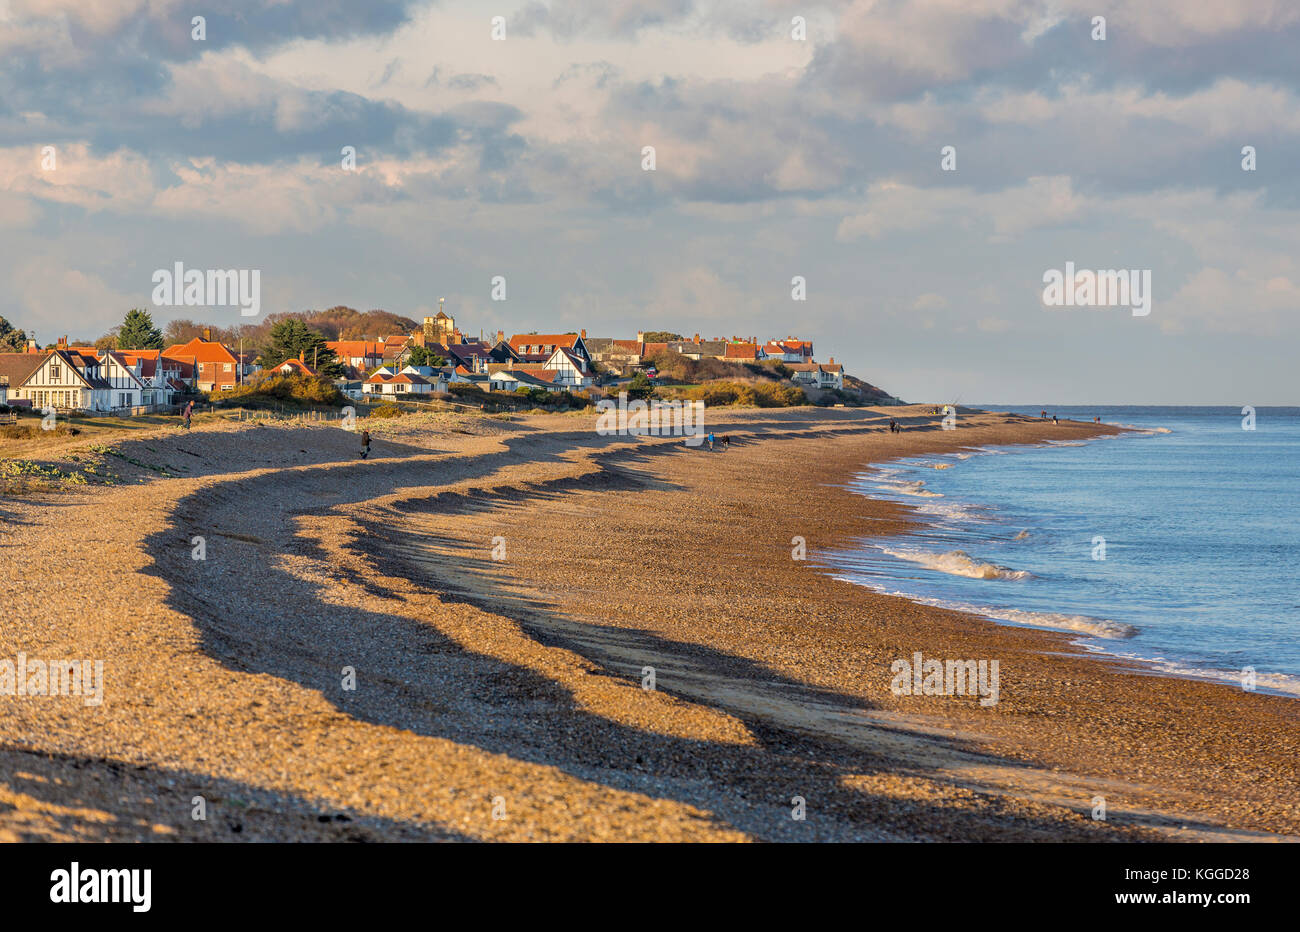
x: 18, y: 366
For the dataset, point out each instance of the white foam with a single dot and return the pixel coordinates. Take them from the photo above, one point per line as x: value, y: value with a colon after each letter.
x: 955, y: 563
x: 1054, y: 621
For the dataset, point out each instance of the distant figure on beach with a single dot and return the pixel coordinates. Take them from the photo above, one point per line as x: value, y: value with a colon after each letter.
x: 365, y: 444
x: 1097, y: 419
x: 726, y: 441
x: 1054, y: 420
x: 710, y: 441
x: 186, y: 412
x: 893, y: 426
x: 1043, y: 415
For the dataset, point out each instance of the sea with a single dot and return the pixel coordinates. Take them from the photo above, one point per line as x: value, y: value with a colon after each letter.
x: 1175, y: 546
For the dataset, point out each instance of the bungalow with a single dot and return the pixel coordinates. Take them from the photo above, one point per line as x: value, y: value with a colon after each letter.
x: 527, y: 377
x: 386, y: 383
x: 438, y: 377
x: 295, y: 367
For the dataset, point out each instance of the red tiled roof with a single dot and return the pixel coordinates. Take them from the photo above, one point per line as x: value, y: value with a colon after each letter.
x: 349, y: 349
x: 567, y: 340
x: 297, y: 365
x: 201, y: 351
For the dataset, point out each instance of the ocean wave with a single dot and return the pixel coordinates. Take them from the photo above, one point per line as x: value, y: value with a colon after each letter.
x: 1284, y: 683
x: 904, y: 487
x: 956, y: 563
x: 1145, y: 430
x: 1057, y: 621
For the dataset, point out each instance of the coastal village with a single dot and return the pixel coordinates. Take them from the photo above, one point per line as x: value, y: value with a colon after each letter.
x: 426, y: 362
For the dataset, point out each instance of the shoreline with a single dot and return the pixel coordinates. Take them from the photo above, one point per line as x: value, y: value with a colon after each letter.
x: 522, y: 678
x: 1090, y: 644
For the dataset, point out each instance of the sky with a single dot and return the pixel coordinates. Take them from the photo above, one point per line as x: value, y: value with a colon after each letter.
x: 790, y: 140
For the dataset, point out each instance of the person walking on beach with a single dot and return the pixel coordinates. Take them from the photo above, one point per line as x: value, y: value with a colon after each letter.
x: 710, y: 441
x: 186, y: 412
x: 1054, y: 420
x: 365, y: 443
x: 1043, y: 415
x: 893, y: 426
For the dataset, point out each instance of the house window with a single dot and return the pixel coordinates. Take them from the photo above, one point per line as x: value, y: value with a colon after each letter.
x: 55, y: 373
x: 229, y: 367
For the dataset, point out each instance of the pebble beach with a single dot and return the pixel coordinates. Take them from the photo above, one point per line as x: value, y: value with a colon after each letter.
x: 515, y: 629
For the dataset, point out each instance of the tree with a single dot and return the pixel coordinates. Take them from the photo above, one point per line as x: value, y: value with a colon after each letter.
x: 639, y: 387
x: 109, y: 341
x: 661, y: 336
x: 11, y: 339
x: 423, y: 356
x: 291, y: 339
x: 138, y: 332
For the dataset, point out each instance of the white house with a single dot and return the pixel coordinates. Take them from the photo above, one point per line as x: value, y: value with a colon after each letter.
x: 571, y: 371
x: 437, y: 377
x: 387, y: 383
x: 68, y: 380
x: 818, y: 375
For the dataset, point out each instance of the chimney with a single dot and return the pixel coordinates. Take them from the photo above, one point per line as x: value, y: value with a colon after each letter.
x: 32, y: 347
x: 832, y: 360
x: 640, y: 336
x: 583, y: 334
x: 501, y: 336
x: 696, y: 341
x: 207, y: 334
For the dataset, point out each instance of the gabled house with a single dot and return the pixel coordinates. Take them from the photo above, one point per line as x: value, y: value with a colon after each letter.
x: 68, y: 380
x: 217, y: 367
x: 570, y: 371
x: 163, y: 378
x: 817, y: 375
x: 537, y: 348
